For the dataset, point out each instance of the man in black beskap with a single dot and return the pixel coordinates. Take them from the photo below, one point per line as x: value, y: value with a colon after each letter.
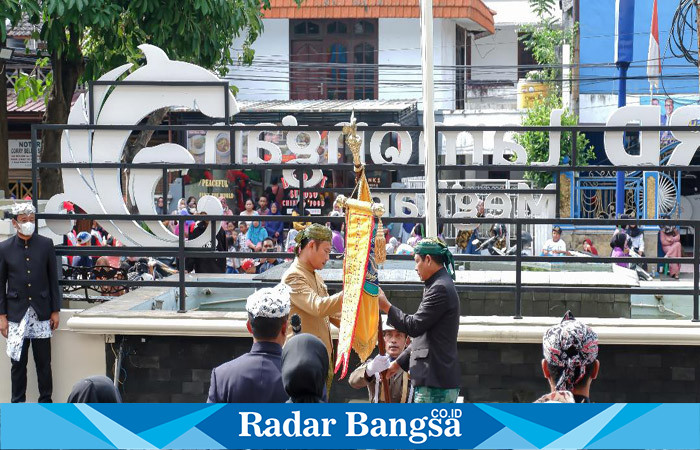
x: 29, y: 302
x: 208, y: 265
x: 256, y: 376
x: 431, y: 359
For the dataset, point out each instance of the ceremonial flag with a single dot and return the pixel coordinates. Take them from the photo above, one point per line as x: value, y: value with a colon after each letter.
x: 653, y: 57
x: 359, y: 321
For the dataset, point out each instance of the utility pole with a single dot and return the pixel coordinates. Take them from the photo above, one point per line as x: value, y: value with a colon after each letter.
x: 697, y: 23
x: 569, y: 9
x: 426, y: 43
x: 575, y: 60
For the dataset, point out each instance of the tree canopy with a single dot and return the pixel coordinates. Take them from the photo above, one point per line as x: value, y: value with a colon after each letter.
x: 85, y: 38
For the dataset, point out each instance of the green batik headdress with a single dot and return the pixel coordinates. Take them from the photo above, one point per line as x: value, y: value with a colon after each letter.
x: 316, y: 232
x: 435, y: 246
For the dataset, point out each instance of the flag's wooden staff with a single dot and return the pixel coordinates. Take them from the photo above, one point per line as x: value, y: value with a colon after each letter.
x: 354, y: 141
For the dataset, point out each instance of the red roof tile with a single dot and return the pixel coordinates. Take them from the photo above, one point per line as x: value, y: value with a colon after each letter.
x: 475, y: 10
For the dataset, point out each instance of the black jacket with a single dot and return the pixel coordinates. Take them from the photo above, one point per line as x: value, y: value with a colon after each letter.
x: 208, y: 265
x: 255, y: 377
x: 431, y: 359
x: 28, y: 276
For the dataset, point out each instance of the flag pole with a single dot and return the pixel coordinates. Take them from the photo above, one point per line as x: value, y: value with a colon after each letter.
x: 426, y: 43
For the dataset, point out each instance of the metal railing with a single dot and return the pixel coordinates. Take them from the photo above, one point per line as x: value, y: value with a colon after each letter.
x: 182, y: 253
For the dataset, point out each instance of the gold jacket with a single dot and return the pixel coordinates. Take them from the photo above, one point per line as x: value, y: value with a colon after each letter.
x: 310, y: 300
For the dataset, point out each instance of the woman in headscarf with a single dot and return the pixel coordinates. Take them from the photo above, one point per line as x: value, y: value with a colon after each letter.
x: 570, y: 362
x: 256, y: 235
x: 618, y: 243
x: 274, y: 227
x: 588, y: 247
x: 304, y: 368
x: 95, y: 389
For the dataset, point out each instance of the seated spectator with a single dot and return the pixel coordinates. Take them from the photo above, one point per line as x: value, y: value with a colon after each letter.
x: 189, y: 224
x: 636, y: 238
x: 392, y: 246
x: 256, y: 377
x: 192, y: 205
x: 416, y: 235
x: 304, y: 368
x: 160, y: 206
x: 224, y: 205
x: 263, y: 210
x: 94, y: 389
x: 249, y: 266
x: 243, y: 237
x: 555, y: 246
x: 337, y: 240
x: 255, y: 236
x: 181, y: 205
x: 84, y: 238
x: 103, y: 270
x: 671, y: 244
x: 274, y: 228
x: 618, y: 243
x: 249, y: 210
x: 588, y: 247
x: 404, y: 249
x: 229, y: 228
x: 268, y: 263
x: 232, y: 264
x: 570, y: 361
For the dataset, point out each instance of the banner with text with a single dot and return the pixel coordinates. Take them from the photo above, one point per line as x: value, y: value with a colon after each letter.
x: 313, y: 426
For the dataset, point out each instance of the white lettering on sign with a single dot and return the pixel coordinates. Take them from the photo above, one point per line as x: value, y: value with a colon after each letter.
x: 99, y: 190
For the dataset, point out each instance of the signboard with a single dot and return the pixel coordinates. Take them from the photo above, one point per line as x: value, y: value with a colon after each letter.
x: 20, y: 153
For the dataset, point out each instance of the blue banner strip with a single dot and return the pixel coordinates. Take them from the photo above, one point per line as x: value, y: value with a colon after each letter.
x: 345, y: 426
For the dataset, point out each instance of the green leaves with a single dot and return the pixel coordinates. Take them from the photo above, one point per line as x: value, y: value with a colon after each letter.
x: 536, y: 143
x: 542, y: 7
x: 31, y: 86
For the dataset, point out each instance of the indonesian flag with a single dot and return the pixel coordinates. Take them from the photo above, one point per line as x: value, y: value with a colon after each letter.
x: 654, y: 58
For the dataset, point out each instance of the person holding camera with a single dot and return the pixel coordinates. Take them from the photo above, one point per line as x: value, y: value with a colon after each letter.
x: 268, y: 263
x: 671, y: 244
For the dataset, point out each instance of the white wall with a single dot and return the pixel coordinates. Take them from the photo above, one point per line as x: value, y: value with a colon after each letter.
x: 271, y: 64
x: 596, y: 108
x: 73, y: 356
x: 445, y: 32
x: 499, y: 49
x: 510, y: 12
x: 399, y: 44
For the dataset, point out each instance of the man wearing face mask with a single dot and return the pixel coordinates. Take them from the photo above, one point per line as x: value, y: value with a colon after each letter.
x: 29, y: 302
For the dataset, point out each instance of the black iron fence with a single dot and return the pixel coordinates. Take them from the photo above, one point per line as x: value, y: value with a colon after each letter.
x: 181, y: 253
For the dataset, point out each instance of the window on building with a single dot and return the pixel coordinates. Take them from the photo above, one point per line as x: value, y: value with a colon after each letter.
x: 463, y: 61
x: 333, y: 59
x: 337, y: 27
x: 526, y: 62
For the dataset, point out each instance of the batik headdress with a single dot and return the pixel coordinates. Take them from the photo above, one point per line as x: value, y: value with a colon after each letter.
x: 570, y: 345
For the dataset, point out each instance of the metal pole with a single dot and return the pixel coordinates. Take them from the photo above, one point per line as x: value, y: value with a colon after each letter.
x: 181, y: 265
x: 697, y: 23
x: 426, y: 44
x: 696, y: 273
x: 35, y: 178
x: 518, y: 271
x: 621, y: 101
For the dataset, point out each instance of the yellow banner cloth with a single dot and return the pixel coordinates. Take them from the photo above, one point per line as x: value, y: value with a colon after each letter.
x: 360, y: 314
